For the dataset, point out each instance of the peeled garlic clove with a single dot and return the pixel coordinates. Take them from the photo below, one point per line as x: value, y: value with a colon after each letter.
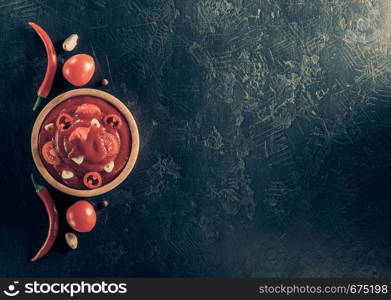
x: 109, y: 167
x: 66, y: 174
x: 71, y: 240
x: 49, y: 126
x: 79, y: 159
x: 70, y: 43
x: 95, y: 123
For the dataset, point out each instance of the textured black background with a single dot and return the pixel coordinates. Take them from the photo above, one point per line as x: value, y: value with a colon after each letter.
x: 264, y: 129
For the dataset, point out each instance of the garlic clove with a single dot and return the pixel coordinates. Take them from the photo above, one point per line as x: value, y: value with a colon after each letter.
x: 95, y: 123
x: 71, y: 240
x: 48, y: 126
x: 109, y: 167
x: 78, y: 160
x: 70, y: 43
x: 67, y: 174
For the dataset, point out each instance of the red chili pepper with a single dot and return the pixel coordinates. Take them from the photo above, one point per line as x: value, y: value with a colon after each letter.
x: 113, y: 120
x: 92, y: 180
x: 64, y: 121
x: 52, y: 212
x: 51, y: 68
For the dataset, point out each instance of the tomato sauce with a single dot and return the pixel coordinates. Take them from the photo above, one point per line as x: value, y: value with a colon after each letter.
x: 84, y: 142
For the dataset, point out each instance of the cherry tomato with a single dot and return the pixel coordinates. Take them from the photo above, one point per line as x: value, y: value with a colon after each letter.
x: 64, y: 121
x: 92, y: 180
x: 79, y: 69
x: 50, y: 155
x: 81, y: 216
x: 88, y: 110
x: 113, y: 120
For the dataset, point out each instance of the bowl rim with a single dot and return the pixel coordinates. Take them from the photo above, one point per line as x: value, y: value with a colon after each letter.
x: 132, y: 155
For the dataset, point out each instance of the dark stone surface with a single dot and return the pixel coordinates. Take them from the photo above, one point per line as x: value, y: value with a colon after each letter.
x: 265, y: 137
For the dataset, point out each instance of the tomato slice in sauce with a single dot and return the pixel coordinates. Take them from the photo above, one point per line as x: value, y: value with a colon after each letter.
x: 111, y: 144
x: 92, y: 180
x: 113, y: 120
x: 50, y: 154
x: 88, y: 110
x: 64, y: 121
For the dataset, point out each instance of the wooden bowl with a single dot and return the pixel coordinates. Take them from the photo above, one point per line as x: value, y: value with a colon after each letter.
x: 133, y: 151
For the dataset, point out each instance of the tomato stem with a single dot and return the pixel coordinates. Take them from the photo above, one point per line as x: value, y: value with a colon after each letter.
x: 37, y: 103
x: 37, y: 186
